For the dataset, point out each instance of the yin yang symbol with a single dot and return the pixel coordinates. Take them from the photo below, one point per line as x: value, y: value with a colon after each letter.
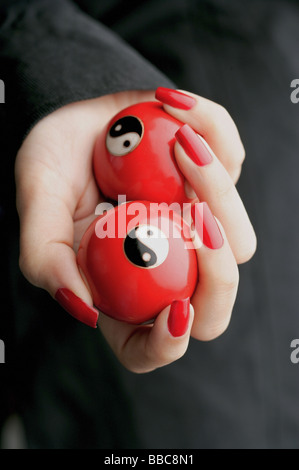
x: 124, y: 136
x: 146, y: 246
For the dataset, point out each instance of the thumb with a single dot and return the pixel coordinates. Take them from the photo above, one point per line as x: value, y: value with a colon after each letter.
x: 145, y: 348
x: 47, y: 258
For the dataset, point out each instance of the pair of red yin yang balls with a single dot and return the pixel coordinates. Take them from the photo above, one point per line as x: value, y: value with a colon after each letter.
x: 136, y: 259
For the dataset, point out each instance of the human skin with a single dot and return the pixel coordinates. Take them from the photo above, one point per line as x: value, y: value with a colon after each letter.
x: 56, y: 200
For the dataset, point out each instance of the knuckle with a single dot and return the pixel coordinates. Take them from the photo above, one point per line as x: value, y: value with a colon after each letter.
x: 235, y: 173
x: 242, y: 154
x: 238, y: 158
x: 24, y: 266
x: 225, y: 190
x: 215, y: 330
x: 222, y: 117
x: 229, y: 285
x: 228, y: 281
x: 136, y: 368
x: 248, y: 251
x: 216, y: 117
x: 222, y: 112
x: 28, y: 268
x: 159, y: 357
x: 234, y: 163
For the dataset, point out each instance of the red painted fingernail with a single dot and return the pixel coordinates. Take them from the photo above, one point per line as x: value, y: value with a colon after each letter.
x: 193, y: 146
x: 206, y: 226
x: 77, y: 308
x: 178, y: 319
x: 175, y: 98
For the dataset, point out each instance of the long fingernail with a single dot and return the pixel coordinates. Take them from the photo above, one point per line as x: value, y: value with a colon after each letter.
x: 77, y: 307
x: 206, y: 226
x: 175, y: 98
x: 178, y: 319
x: 193, y: 146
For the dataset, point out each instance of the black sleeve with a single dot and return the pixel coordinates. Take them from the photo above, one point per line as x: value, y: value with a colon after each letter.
x: 52, y: 53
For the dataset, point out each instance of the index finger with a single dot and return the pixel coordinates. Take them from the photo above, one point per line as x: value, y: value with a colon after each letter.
x: 47, y: 258
x: 144, y: 348
x: 209, y: 119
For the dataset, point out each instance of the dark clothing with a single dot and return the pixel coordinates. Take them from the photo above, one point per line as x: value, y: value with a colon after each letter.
x: 241, y: 390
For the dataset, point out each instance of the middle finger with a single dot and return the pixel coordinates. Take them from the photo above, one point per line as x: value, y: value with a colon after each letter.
x: 212, y: 184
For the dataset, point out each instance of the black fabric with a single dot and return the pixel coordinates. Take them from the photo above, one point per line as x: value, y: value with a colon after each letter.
x: 57, y: 54
x: 241, y: 390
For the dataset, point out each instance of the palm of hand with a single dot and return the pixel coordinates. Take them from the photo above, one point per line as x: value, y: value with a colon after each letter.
x: 56, y: 189
x: 56, y: 200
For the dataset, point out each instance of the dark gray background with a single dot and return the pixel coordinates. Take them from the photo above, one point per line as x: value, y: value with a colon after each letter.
x: 241, y: 390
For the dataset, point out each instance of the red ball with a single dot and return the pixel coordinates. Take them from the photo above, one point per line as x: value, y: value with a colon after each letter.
x: 138, y: 258
x: 134, y: 156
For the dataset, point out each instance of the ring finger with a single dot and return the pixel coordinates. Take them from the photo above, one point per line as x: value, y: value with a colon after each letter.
x: 212, y: 184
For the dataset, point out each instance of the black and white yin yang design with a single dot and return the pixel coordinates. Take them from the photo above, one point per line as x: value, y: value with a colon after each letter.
x: 124, y: 136
x: 146, y: 246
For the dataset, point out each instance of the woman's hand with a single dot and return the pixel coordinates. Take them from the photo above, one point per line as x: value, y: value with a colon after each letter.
x: 56, y: 200
x: 213, y: 179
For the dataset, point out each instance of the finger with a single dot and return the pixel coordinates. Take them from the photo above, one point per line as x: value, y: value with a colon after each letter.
x: 47, y: 258
x: 215, y: 295
x: 211, y: 121
x: 212, y: 183
x: 145, y: 348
